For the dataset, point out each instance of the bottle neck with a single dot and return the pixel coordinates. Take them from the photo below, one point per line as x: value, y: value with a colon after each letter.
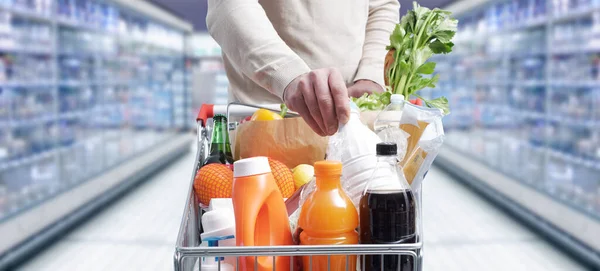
x: 328, y: 182
x: 220, y: 137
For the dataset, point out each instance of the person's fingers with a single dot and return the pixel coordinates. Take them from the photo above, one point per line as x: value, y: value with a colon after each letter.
x: 339, y: 92
x: 324, y: 102
x: 313, y: 106
x: 302, y: 109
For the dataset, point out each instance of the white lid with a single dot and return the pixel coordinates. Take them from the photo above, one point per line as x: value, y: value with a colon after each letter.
x: 217, y: 220
x: 397, y: 98
x: 251, y: 166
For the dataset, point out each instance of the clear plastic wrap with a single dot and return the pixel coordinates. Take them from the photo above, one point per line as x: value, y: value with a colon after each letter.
x: 424, y: 125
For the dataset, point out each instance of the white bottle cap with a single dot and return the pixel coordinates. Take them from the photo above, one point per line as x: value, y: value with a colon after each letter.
x: 397, y: 98
x: 251, y: 166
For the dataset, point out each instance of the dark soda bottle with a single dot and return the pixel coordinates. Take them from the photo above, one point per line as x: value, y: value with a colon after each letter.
x: 220, y: 149
x: 387, y: 212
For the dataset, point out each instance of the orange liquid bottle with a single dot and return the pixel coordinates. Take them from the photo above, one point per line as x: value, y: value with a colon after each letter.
x: 261, y: 218
x: 328, y: 217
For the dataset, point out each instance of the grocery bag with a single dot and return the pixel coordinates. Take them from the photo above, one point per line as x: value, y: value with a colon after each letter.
x: 290, y: 141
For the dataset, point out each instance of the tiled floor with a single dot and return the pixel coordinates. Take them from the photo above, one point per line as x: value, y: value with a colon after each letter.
x: 463, y: 232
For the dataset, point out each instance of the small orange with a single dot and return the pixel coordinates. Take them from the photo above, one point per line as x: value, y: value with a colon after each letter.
x: 284, y: 178
x: 264, y: 114
x: 213, y: 181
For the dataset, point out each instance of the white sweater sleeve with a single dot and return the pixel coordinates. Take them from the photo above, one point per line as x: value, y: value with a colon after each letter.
x: 383, y: 17
x: 249, y: 40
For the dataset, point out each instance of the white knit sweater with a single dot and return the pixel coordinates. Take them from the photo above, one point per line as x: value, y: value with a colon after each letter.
x: 268, y: 43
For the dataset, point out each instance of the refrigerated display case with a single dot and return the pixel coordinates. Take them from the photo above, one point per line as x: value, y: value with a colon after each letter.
x: 524, y: 84
x: 85, y: 86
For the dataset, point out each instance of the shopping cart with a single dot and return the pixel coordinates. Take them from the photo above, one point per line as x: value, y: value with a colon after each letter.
x: 188, y: 252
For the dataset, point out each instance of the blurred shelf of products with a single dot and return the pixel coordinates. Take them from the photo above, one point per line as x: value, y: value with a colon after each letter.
x: 85, y: 87
x: 525, y: 96
x: 209, y: 79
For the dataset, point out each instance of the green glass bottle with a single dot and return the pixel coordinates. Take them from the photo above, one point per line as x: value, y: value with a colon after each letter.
x: 220, y: 149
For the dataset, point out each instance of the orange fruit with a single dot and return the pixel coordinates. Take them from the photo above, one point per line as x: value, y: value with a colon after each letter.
x: 284, y: 177
x: 213, y: 181
x: 264, y: 114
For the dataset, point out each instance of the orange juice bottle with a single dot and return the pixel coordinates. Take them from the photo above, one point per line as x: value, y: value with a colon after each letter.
x: 261, y: 218
x: 328, y: 217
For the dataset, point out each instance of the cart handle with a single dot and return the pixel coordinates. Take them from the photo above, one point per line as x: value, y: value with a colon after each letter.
x: 206, y: 112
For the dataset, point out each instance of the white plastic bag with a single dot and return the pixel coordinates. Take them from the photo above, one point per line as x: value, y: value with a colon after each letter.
x: 355, y: 146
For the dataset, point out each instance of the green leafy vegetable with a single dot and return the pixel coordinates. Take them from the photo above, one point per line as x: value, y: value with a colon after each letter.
x: 375, y: 101
x: 421, y: 33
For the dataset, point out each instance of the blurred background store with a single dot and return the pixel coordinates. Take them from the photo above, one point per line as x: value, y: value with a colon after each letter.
x: 97, y: 111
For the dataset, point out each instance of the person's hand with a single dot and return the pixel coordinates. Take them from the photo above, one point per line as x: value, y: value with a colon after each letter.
x: 361, y: 87
x: 321, y: 98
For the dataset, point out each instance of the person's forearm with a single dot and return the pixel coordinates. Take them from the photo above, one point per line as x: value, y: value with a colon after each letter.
x: 250, y: 41
x: 383, y: 17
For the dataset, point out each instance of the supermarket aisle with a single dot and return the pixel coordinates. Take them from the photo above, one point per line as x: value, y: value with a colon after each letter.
x: 136, y: 233
x: 463, y: 232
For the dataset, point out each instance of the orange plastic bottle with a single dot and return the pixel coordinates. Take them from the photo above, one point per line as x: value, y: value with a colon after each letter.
x: 261, y: 218
x: 328, y: 217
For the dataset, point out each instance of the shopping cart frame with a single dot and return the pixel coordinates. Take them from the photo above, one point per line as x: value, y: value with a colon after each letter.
x: 187, y: 250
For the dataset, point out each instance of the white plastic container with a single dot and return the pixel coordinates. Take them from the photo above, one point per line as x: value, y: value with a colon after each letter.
x: 219, y: 230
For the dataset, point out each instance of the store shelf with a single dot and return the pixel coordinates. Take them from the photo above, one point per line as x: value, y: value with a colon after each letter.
x: 26, y: 50
x: 575, y: 83
x: 527, y: 103
x: 65, y: 22
x: 26, y: 84
x: 533, y: 23
x: 576, y: 50
x: 26, y: 160
x: 575, y: 14
x: 26, y: 13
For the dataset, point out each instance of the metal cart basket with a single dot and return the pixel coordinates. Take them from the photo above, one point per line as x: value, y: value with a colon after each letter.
x: 188, y: 252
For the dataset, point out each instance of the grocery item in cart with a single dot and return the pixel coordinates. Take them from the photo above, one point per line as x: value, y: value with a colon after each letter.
x: 353, y: 145
x: 283, y: 177
x: 220, y: 149
x: 424, y: 125
x: 289, y: 140
x: 328, y: 217
x: 261, y: 217
x: 387, y: 212
x: 213, y: 181
x: 219, y: 230
x: 265, y: 115
x: 302, y: 175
